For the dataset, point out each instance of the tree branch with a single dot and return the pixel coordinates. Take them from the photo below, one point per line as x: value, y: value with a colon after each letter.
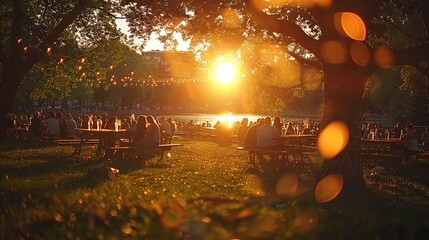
x: 410, y: 56
x: 2, y: 55
x: 407, y: 34
x: 271, y: 23
x: 425, y: 14
x: 54, y: 34
x: 106, y: 12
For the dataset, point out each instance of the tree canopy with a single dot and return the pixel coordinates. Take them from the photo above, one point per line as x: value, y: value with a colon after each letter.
x: 329, y: 35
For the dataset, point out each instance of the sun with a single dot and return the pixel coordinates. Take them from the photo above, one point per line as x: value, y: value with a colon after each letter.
x: 225, y: 73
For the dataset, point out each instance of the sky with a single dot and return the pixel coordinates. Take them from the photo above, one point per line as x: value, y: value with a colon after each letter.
x: 153, y: 43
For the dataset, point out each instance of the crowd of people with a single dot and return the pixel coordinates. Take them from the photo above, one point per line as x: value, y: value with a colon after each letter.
x: 149, y: 130
x: 409, y: 143
x: 146, y: 129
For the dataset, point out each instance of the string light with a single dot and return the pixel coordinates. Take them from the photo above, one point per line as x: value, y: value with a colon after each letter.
x: 129, y: 79
x: 25, y: 49
x: 19, y: 40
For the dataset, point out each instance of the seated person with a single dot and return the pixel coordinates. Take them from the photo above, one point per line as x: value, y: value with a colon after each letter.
x: 52, y: 126
x: 250, y: 140
x: 409, y: 141
x: 165, y: 129
x: 425, y: 136
x: 153, y: 132
x: 36, y: 123
x: 242, y: 130
x: 289, y: 129
x: 71, y: 125
x: 139, y: 134
x: 265, y: 134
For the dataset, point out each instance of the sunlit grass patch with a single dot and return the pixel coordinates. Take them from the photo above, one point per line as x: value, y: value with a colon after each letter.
x: 203, y: 191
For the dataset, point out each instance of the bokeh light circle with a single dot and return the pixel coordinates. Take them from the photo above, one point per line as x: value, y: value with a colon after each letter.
x: 329, y: 187
x: 333, y: 139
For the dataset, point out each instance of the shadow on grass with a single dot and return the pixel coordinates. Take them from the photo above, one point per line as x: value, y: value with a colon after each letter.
x: 13, y: 144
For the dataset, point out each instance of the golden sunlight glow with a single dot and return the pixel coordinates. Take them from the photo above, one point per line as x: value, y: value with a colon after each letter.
x: 360, y: 53
x: 384, y: 57
x: 333, y: 52
x: 333, y: 139
x: 225, y: 73
x: 350, y: 25
x: 309, y: 3
x: 329, y: 187
x: 231, y: 18
x: 228, y: 118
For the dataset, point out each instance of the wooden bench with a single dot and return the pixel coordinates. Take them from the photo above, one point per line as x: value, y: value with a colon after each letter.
x: 76, y: 143
x: 140, y: 149
x: 422, y: 155
x: 255, y: 151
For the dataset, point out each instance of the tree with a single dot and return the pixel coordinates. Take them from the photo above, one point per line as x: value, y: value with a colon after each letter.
x: 31, y: 30
x: 326, y: 34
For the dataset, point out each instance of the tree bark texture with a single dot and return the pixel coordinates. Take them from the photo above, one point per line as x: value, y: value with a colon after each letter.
x: 344, y: 86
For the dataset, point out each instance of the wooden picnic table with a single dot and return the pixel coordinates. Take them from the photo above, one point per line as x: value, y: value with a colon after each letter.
x: 106, y: 137
x: 380, y: 145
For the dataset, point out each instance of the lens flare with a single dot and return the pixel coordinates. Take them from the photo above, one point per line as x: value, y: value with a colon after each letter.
x: 333, y: 52
x: 350, y: 25
x: 287, y: 185
x: 329, y: 187
x: 333, y: 139
x: 384, y: 57
x: 360, y: 53
x: 172, y: 217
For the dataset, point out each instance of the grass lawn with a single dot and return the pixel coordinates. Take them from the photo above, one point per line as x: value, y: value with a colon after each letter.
x: 203, y: 191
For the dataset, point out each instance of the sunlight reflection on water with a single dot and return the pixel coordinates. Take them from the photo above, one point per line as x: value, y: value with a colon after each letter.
x: 230, y: 117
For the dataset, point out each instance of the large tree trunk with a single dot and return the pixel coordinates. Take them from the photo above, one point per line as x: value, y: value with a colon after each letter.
x: 10, y: 80
x: 15, y: 66
x: 344, y: 86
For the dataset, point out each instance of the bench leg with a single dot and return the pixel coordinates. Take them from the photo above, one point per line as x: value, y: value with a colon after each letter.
x: 252, y: 158
x: 77, y: 149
